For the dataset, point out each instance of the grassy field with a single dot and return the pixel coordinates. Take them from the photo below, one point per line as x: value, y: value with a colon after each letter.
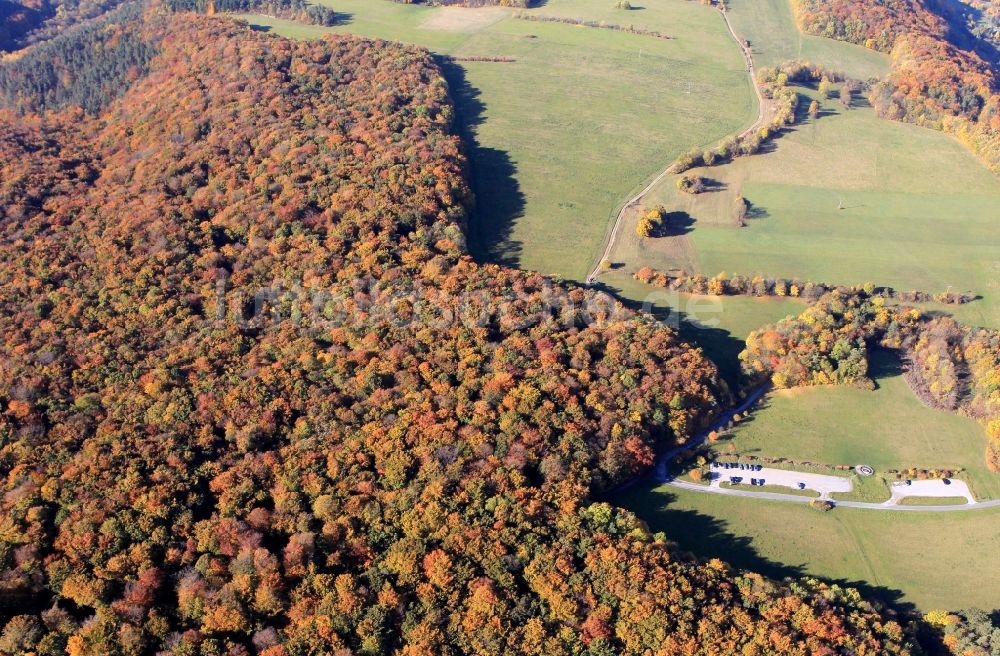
x: 779, y: 489
x: 919, y: 212
x: 931, y: 560
x: 582, y: 119
x: 774, y: 37
x: 887, y: 428
x: 869, y: 489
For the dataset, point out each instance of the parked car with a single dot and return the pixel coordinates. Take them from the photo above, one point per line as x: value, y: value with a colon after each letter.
x: 802, y: 486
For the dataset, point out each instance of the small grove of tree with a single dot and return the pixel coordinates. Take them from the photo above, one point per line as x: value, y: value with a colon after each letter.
x: 650, y: 221
x: 691, y: 183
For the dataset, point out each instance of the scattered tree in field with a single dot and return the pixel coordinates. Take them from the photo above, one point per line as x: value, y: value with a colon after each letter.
x: 825, y: 88
x: 650, y: 221
x: 689, y: 160
x: 847, y: 90
x: 741, y: 211
x: 717, y: 285
x: 814, y: 110
x: 623, y: 4
x: 691, y: 183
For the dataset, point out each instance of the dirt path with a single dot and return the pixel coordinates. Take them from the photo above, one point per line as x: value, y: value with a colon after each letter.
x: 762, y: 110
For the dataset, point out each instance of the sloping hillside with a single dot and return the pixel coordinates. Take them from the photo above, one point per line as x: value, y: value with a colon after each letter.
x: 256, y: 398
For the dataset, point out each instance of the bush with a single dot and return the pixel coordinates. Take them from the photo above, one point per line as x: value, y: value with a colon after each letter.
x: 691, y: 184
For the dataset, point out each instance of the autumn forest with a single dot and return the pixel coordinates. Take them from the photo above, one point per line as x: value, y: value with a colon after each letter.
x: 256, y: 397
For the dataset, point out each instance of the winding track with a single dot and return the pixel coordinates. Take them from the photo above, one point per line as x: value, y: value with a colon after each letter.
x: 761, y: 116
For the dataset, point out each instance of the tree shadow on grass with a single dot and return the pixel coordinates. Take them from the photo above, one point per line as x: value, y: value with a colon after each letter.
x: 499, y: 200
x: 884, y: 364
x: 756, y: 211
x: 673, y: 224
x: 709, y: 537
x: 343, y: 18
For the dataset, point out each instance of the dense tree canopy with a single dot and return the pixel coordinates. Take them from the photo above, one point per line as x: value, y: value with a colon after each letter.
x: 257, y: 399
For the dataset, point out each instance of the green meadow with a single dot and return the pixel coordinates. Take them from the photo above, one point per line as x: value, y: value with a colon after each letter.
x: 845, y: 198
x: 887, y: 428
x: 584, y: 117
x: 774, y: 38
x: 928, y: 560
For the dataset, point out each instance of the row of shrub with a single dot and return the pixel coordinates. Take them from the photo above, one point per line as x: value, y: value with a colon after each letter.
x: 758, y: 285
x: 603, y: 25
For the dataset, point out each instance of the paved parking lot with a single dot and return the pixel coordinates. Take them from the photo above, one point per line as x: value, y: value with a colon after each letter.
x: 825, y: 484
x: 932, y: 488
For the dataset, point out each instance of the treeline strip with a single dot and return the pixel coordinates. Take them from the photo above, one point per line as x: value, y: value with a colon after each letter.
x: 298, y: 10
x: 774, y: 85
x: 761, y: 286
x: 602, y: 25
x: 495, y: 60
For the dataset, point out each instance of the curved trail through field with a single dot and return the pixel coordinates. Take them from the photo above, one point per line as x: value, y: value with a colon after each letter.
x: 761, y: 117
